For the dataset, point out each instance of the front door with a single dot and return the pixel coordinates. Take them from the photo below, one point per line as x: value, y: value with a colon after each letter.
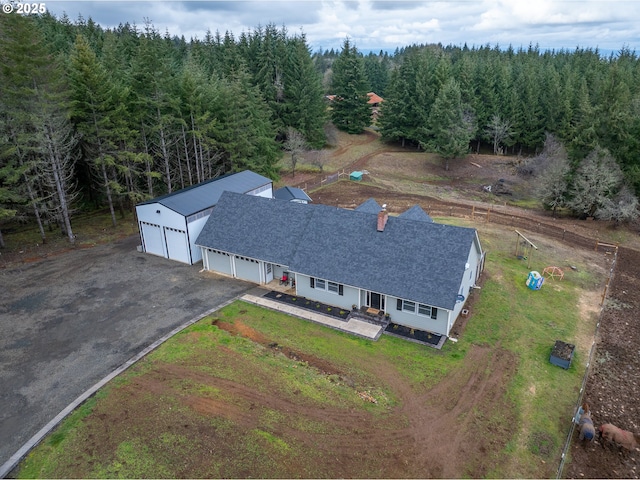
x: 375, y: 301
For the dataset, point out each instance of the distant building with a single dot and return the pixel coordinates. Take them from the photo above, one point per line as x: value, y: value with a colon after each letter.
x: 374, y: 101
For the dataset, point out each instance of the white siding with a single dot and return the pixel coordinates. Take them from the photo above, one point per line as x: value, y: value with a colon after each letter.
x: 194, y: 229
x: 154, y: 238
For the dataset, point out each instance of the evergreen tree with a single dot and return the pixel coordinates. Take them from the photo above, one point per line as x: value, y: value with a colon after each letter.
x: 305, y: 108
x: 350, y: 111
x: 247, y: 135
x: 377, y: 70
x: 36, y: 123
x: 450, y: 124
x: 400, y: 112
x: 94, y: 109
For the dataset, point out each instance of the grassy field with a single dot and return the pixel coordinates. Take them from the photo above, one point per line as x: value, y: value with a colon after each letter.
x: 210, y: 403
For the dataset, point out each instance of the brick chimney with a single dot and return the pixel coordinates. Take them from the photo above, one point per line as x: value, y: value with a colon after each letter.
x: 383, y: 216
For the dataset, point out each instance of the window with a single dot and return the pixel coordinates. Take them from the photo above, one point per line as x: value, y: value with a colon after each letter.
x: 408, y: 306
x: 321, y: 284
x: 427, y: 311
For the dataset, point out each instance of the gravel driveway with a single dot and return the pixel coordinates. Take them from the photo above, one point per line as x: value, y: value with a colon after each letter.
x: 70, y: 320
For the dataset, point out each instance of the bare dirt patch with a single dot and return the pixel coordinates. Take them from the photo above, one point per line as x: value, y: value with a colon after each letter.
x: 613, y: 385
x: 405, y: 442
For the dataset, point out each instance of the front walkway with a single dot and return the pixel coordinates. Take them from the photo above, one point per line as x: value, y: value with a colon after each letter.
x: 352, y: 326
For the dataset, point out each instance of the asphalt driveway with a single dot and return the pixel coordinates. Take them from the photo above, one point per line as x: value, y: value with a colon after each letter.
x: 68, y: 321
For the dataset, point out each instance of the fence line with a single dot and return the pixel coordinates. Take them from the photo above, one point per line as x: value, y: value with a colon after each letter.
x: 501, y: 217
x: 587, y: 369
x: 328, y: 180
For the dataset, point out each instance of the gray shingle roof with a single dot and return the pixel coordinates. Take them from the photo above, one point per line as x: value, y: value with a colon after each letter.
x: 291, y: 193
x: 267, y: 230
x: 369, y: 206
x: 415, y: 260
x: 199, y: 197
x: 416, y: 213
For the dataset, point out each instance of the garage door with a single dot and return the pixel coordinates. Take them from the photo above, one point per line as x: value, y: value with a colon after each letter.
x: 152, y: 236
x: 247, y: 269
x: 177, y: 244
x: 219, y: 262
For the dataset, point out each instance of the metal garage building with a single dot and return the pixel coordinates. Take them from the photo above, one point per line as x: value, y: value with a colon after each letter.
x: 170, y: 224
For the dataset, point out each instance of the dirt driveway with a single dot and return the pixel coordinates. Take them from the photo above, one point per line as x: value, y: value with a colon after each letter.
x: 69, y: 320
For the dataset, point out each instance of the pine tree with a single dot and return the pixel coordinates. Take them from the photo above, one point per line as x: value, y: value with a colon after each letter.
x: 450, y: 124
x: 41, y: 139
x: 94, y: 110
x: 247, y: 135
x: 350, y: 111
x: 305, y: 109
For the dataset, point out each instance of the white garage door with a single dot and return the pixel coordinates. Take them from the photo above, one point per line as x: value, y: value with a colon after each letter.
x: 219, y: 262
x: 177, y: 244
x: 247, y: 269
x: 152, y: 235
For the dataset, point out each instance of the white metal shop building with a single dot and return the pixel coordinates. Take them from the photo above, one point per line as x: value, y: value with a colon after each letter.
x: 170, y: 224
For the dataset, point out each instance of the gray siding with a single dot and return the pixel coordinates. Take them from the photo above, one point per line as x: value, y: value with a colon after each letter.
x: 346, y: 300
x: 438, y: 325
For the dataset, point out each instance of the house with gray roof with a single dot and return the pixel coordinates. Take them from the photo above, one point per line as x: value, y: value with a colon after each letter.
x: 170, y: 224
x: 419, y: 272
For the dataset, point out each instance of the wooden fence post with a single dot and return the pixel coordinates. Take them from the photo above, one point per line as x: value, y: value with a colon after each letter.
x: 604, y: 293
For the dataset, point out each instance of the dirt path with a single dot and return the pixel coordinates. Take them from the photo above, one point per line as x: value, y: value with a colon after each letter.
x: 451, y: 410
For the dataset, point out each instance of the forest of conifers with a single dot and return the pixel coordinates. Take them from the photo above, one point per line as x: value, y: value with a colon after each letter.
x: 93, y: 117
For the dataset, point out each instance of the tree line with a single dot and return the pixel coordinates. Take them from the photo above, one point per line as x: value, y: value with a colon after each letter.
x: 452, y: 100
x: 93, y: 117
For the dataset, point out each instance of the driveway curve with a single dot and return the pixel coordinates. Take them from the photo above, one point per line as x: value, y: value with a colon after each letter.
x: 69, y: 321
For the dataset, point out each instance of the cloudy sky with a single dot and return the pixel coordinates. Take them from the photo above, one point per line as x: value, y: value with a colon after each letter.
x: 375, y: 25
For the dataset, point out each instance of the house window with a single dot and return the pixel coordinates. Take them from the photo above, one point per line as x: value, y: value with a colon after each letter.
x: 408, y: 306
x: 333, y: 287
x: 427, y: 311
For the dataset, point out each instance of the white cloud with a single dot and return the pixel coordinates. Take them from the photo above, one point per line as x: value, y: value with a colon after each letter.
x: 375, y: 25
